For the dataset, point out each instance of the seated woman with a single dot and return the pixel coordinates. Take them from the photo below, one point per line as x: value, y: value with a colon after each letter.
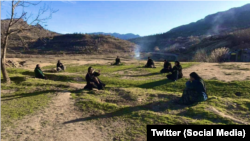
x: 117, y: 61
x: 195, y: 90
x: 176, y: 72
x: 60, y: 66
x: 150, y: 63
x: 39, y: 72
x: 167, y: 67
x: 93, y: 81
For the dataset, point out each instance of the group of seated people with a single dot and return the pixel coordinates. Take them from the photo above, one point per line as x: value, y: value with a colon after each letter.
x: 176, y: 71
x: 39, y: 73
x: 195, y: 90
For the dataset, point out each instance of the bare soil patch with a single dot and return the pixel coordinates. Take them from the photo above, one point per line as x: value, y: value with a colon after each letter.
x: 8, y: 91
x: 214, y: 71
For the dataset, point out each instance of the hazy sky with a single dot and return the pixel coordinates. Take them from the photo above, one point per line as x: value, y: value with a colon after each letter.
x: 143, y: 18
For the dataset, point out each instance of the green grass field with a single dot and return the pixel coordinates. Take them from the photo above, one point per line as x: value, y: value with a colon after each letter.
x: 134, y: 97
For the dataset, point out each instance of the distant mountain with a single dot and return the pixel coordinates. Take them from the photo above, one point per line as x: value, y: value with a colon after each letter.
x: 117, y: 35
x: 191, y: 34
x: 233, y: 19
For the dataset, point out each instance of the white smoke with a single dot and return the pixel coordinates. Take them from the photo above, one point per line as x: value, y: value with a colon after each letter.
x: 137, y: 52
x: 219, y: 21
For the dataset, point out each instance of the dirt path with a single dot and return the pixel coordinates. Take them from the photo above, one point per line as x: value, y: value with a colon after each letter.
x: 47, y: 125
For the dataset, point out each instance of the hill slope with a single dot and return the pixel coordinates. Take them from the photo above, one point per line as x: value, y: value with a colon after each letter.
x: 41, y: 41
x: 27, y: 36
x: 191, y: 34
x: 83, y: 44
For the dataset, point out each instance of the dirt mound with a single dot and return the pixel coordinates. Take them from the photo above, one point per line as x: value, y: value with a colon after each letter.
x: 14, y: 64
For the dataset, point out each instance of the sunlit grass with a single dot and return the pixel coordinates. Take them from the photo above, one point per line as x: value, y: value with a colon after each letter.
x: 137, y: 102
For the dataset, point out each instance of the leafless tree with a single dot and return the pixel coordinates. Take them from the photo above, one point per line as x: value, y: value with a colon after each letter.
x: 14, y: 19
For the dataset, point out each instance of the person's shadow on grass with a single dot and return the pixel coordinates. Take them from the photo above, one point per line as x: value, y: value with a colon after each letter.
x: 159, y: 106
x: 155, y: 83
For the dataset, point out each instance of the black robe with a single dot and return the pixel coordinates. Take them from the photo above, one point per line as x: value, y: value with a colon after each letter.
x: 59, y: 65
x: 176, y: 70
x: 195, y: 91
x: 91, y: 78
x: 167, y: 67
x: 117, y: 61
x: 150, y: 63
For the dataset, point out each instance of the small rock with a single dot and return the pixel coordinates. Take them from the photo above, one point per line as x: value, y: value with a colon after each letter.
x: 116, y: 138
x: 238, y: 93
x: 153, y: 95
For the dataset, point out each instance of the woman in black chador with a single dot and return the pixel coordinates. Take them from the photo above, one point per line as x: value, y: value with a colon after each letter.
x: 176, y: 72
x: 150, y: 63
x: 167, y: 67
x: 117, y: 61
x: 195, y: 90
x: 93, y: 81
x: 59, y: 66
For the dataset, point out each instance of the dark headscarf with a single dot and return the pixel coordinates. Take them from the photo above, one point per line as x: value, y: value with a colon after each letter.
x: 178, y: 63
x: 37, y: 66
x: 89, y: 69
x: 195, y: 76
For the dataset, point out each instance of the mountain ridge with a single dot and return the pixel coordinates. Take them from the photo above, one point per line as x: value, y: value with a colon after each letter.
x: 220, y: 23
x: 39, y: 40
x: 117, y: 35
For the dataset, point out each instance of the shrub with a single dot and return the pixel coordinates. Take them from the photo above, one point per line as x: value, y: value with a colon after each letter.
x: 173, y: 48
x: 219, y: 54
x: 201, y: 56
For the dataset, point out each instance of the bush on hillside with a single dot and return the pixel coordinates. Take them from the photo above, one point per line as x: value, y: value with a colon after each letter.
x: 219, y: 54
x: 172, y: 48
x: 201, y: 55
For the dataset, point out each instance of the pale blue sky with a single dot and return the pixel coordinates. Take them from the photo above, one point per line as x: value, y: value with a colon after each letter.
x: 143, y: 18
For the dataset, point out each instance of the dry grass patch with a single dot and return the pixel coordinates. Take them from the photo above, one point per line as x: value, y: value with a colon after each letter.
x: 232, y: 67
x: 232, y: 73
